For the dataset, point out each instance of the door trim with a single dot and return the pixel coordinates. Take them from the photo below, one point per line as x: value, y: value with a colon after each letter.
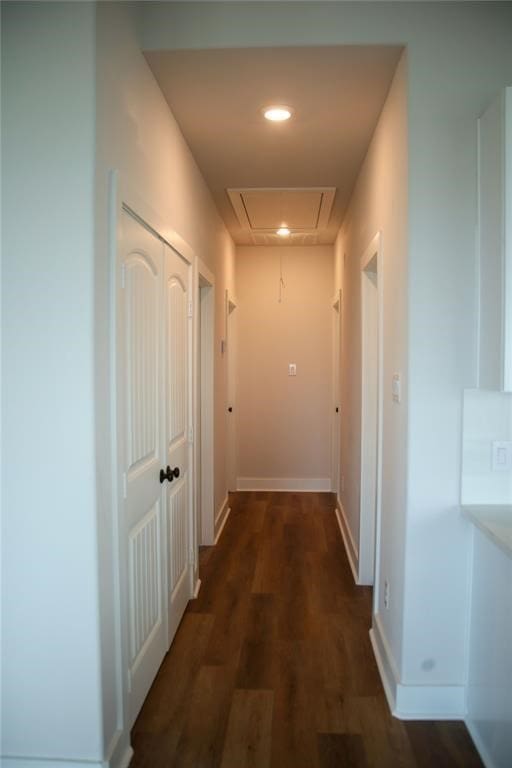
x: 370, y: 515
x: 336, y: 393
x: 204, y: 293
x: 231, y: 415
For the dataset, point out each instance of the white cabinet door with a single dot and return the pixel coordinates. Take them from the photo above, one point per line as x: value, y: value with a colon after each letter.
x: 178, y: 490
x: 141, y: 451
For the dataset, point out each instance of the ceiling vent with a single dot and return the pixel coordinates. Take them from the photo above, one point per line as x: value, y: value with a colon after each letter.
x: 261, y: 211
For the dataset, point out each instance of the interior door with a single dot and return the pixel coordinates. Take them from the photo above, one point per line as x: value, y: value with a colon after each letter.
x: 178, y: 486
x: 141, y: 448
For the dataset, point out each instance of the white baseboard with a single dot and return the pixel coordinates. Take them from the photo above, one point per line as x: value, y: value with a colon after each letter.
x: 346, y: 534
x: 119, y: 753
x: 385, y: 661
x: 124, y: 760
x: 480, y: 745
x: 197, y: 588
x: 45, y: 762
x: 121, y: 760
x: 414, y: 702
x: 301, y: 484
x: 221, y: 518
x: 430, y: 702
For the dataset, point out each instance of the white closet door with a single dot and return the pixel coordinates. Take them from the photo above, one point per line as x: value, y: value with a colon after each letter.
x: 179, y: 523
x: 141, y: 446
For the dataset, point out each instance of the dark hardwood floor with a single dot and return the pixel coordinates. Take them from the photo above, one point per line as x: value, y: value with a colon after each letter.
x: 272, y: 664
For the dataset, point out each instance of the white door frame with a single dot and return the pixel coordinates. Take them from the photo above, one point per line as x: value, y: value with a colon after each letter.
x: 371, y: 410
x: 336, y: 404
x: 204, y: 408
x: 122, y: 195
x: 231, y: 415
x: 179, y: 597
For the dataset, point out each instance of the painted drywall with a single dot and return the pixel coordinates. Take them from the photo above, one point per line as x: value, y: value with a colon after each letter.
x: 50, y: 640
x: 459, y: 56
x: 487, y: 419
x: 74, y: 83
x: 284, y: 421
x: 137, y: 135
x: 490, y: 661
x: 379, y: 204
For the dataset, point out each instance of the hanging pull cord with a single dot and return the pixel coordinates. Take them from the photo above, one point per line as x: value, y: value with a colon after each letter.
x: 282, y: 284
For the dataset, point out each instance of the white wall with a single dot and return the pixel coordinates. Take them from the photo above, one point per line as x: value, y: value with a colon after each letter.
x: 50, y: 642
x: 459, y: 56
x: 379, y: 204
x: 74, y: 83
x: 284, y: 422
x: 137, y: 135
x: 490, y: 660
x: 487, y: 418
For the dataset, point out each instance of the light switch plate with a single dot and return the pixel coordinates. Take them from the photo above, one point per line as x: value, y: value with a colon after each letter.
x: 502, y: 456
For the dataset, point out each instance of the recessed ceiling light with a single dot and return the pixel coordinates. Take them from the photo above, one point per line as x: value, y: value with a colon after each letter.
x: 277, y: 113
x: 283, y: 232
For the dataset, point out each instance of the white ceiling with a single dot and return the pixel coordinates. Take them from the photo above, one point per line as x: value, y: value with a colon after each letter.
x: 337, y: 94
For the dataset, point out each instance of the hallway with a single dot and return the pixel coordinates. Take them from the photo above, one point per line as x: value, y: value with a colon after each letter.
x: 272, y: 664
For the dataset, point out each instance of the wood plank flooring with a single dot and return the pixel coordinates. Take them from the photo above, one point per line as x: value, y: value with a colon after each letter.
x: 272, y: 664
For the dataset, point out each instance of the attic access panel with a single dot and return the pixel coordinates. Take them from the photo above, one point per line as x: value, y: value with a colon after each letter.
x: 261, y: 211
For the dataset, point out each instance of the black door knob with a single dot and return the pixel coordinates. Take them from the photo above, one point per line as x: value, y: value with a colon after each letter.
x: 168, y: 474
x: 230, y: 409
x: 175, y: 472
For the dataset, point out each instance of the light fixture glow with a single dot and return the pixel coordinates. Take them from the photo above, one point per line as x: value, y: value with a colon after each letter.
x: 283, y: 232
x: 277, y: 113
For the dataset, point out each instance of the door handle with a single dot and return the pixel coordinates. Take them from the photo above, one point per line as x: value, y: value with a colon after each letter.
x: 230, y: 409
x: 169, y: 474
x: 166, y: 474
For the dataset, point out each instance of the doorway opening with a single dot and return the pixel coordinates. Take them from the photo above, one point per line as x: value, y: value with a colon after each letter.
x: 231, y: 414
x: 371, y: 409
x: 336, y: 394
x: 205, y: 514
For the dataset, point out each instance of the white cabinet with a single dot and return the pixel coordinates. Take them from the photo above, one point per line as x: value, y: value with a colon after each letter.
x: 495, y: 244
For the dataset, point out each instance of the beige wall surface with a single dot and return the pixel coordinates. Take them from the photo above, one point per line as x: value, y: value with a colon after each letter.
x: 379, y: 203
x: 284, y: 421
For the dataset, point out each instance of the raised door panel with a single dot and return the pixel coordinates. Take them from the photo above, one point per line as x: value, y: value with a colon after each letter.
x: 177, y: 359
x: 144, y: 582
x: 142, y: 362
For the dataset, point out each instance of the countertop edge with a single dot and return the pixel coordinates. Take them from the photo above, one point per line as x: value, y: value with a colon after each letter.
x: 495, y: 521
